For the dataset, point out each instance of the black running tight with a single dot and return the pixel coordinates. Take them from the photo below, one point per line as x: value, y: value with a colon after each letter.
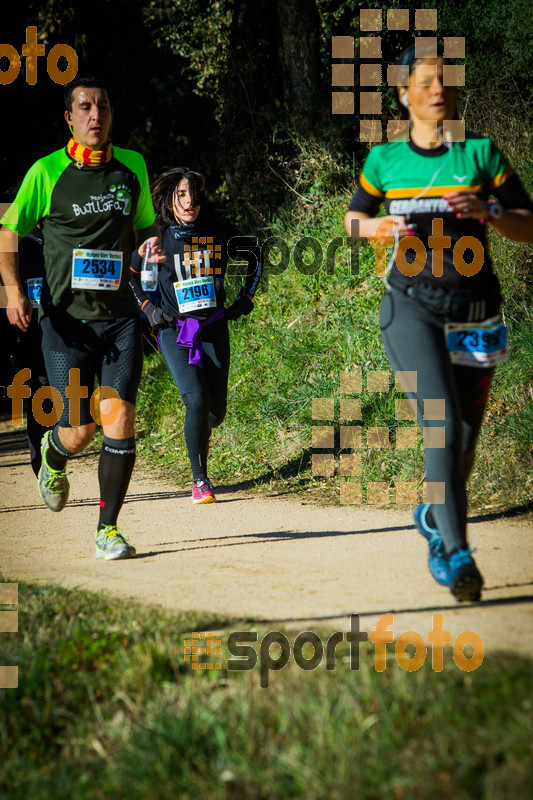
x: 414, y: 340
x: 204, y: 391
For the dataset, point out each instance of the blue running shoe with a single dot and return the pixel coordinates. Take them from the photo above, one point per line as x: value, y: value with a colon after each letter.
x: 437, y: 560
x: 465, y: 578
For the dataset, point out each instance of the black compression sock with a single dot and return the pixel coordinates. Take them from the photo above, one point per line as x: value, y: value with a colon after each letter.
x: 117, y: 458
x: 57, y: 454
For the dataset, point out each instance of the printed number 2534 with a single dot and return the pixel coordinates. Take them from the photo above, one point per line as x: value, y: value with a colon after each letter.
x: 98, y: 266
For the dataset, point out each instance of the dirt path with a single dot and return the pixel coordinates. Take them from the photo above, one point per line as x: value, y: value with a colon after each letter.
x: 262, y: 558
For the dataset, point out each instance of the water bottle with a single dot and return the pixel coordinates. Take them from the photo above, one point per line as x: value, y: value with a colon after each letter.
x: 149, y: 271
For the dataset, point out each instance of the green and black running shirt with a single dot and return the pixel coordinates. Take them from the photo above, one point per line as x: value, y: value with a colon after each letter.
x: 88, y: 208
x: 411, y: 181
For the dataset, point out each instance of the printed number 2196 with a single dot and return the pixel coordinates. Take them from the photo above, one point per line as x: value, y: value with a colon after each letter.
x: 195, y: 291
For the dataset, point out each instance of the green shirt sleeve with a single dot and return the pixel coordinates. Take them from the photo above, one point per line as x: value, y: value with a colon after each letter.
x: 145, y: 214
x: 370, y: 178
x: 498, y: 167
x: 31, y: 202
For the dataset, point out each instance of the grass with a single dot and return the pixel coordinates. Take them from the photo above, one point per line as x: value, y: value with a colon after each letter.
x: 107, y: 707
x: 305, y: 331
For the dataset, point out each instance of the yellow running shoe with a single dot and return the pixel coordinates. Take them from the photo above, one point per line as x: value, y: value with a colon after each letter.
x: 111, y: 544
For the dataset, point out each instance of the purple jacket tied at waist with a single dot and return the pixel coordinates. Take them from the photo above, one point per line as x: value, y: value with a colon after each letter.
x: 190, y: 335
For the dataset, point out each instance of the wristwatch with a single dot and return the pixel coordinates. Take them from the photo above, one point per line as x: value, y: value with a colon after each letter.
x: 495, y: 211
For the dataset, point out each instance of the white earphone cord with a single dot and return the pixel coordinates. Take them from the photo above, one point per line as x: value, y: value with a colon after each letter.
x: 388, y: 268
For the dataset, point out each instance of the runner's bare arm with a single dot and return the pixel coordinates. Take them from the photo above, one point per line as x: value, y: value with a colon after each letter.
x: 514, y: 223
x: 19, y: 308
x: 362, y: 226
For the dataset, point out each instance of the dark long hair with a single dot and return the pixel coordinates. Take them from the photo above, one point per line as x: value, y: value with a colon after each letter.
x: 164, y: 187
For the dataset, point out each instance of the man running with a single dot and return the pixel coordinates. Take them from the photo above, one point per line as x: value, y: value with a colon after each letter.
x: 92, y: 201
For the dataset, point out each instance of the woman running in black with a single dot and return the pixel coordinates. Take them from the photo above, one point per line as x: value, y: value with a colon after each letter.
x: 440, y: 314
x: 191, y: 322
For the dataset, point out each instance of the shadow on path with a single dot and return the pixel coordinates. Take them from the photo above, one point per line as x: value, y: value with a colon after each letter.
x: 497, y: 601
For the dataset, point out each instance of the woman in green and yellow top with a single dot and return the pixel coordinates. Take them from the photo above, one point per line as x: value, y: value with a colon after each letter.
x: 440, y: 314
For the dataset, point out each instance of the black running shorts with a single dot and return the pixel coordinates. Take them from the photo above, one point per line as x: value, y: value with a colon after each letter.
x: 108, y: 351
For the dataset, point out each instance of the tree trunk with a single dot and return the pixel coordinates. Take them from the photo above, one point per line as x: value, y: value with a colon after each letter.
x: 251, y: 84
x: 299, y: 50
x: 272, y: 78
